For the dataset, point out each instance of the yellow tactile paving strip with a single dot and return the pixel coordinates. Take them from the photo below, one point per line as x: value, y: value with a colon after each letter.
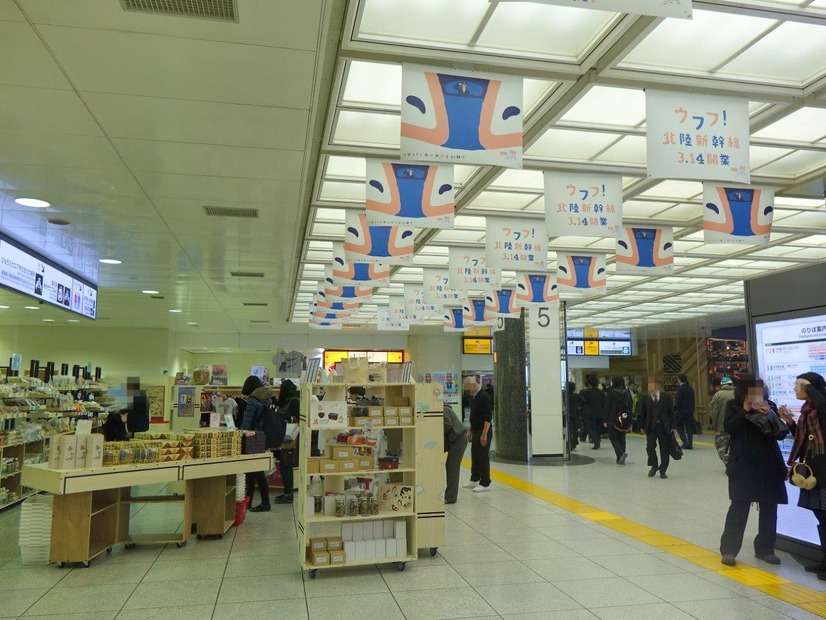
x: 780, y: 588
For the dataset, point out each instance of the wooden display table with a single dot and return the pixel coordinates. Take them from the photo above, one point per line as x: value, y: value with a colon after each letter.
x: 92, y: 506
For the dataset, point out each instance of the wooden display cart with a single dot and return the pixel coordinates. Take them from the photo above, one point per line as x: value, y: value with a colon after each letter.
x: 421, y: 467
x: 430, y: 467
x: 92, y: 506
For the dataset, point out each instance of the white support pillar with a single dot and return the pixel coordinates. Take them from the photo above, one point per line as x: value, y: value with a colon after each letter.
x: 547, y: 432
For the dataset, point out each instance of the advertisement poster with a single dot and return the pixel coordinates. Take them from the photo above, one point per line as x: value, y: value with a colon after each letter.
x: 409, y: 195
x: 387, y: 245
x: 474, y: 313
x: 701, y: 137
x: 357, y: 274
x: 220, y: 375
x: 502, y: 303
x: 320, y: 324
x: 647, y: 251
x: 416, y: 307
x: 398, y: 310
x: 186, y: 402
x: 328, y: 414
x: 657, y: 8
x: 470, y: 271
x: 581, y: 274
x: 437, y: 291
x: 535, y: 289
x: 515, y: 246
x: 385, y: 321
x: 740, y: 215
x: 461, y: 117
x: 454, y: 320
x: 582, y: 205
x: 349, y: 294
x: 450, y: 384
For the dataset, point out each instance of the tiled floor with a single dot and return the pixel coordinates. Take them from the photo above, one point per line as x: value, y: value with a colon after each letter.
x: 509, y: 555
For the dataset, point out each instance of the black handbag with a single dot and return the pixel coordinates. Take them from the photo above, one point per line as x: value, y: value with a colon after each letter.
x: 675, y: 450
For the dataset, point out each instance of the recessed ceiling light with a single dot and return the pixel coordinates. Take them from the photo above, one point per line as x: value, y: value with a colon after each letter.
x: 32, y: 202
x: 32, y: 307
x: 110, y: 261
x: 191, y: 323
x: 4, y: 307
x: 176, y: 311
x: 148, y: 292
x: 72, y: 320
x: 48, y: 320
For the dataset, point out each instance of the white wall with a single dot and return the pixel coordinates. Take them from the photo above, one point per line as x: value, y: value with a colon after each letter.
x: 440, y: 352
x: 483, y: 363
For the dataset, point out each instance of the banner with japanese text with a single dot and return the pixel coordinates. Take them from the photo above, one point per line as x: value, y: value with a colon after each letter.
x: 535, y: 289
x: 520, y: 246
x: 734, y: 214
x: 397, y: 309
x: 325, y: 292
x: 357, y: 274
x: 502, y: 303
x: 461, y: 117
x: 469, y: 271
x: 702, y: 137
x: 473, y: 312
x: 437, y: 291
x: 656, y: 8
x: 581, y: 274
x: 454, y: 320
x: 388, y: 245
x: 645, y: 250
x: 409, y: 195
x: 417, y: 309
x: 583, y: 204
x: 336, y: 306
x: 385, y: 321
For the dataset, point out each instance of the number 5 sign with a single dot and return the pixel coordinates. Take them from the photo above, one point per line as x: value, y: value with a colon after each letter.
x: 544, y: 322
x: 499, y: 325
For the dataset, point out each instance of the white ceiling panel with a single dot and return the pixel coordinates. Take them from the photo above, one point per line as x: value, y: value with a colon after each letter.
x: 283, y: 193
x: 502, y: 200
x: 608, y: 106
x: 432, y: 21
x: 61, y: 150
x: 803, y: 125
x: 24, y: 60
x: 794, y: 164
x: 373, y: 83
x: 629, y: 150
x: 42, y: 110
x: 367, y: 129
x: 51, y: 183
x: 563, y: 143
x: 347, y: 167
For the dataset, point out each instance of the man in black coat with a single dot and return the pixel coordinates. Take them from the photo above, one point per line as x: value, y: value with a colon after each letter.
x: 592, y: 409
x: 479, y: 435
x: 656, y: 414
x: 137, y: 420
x: 684, y: 409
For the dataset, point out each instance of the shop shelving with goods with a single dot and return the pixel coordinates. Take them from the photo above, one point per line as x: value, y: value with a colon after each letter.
x: 395, y: 454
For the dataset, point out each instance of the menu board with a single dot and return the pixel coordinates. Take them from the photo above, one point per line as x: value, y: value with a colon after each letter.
x: 25, y: 271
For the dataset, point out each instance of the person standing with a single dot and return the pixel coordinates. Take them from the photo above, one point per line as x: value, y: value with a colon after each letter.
x: 258, y: 400
x: 573, y: 416
x: 592, y: 405
x: 618, y: 414
x: 656, y: 413
x: 684, y: 404
x: 455, y: 446
x: 756, y: 472
x: 137, y: 420
x: 809, y: 447
x: 717, y: 406
x: 478, y: 435
x: 289, y: 407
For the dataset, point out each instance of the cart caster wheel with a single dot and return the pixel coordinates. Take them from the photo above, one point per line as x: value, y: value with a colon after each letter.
x: 433, y: 551
x: 179, y: 544
x: 86, y: 564
x: 313, y: 573
x: 109, y: 550
x: 400, y: 566
x: 61, y: 564
x: 129, y: 546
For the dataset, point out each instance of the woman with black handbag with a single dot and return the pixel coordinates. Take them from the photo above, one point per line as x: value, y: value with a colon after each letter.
x: 618, y: 414
x: 808, y: 454
x: 755, y: 469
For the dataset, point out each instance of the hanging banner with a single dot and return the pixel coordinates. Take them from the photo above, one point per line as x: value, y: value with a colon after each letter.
x: 335, y: 306
x: 389, y: 245
x: 461, y: 117
x: 469, y: 271
x: 473, y: 312
x: 737, y: 214
x: 583, y: 205
x: 454, y: 320
x: 510, y: 244
x: 702, y: 137
x: 357, y: 274
x: 398, y: 311
x: 409, y: 195
x: 535, y: 289
x: 502, y: 303
x: 657, y: 8
x: 416, y: 307
x: 343, y: 293
x: 437, y: 291
x: 648, y: 251
x: 329, y: 316
x: 581, y: 273
x: 388, y: 323
x: 324, y: 325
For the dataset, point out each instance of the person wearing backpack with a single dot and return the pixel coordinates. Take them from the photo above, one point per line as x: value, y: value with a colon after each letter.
x: 619, y: 415
x: 259, y: 401
x: 455, y: 446
x: 289, y: 408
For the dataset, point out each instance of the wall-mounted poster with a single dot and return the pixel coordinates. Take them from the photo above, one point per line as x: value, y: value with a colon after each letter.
x: 581, y: 273
x: 186, y: 402
x: 583, y: 204
x: 737, y: 214
x: 388, y: 245
x: 437, y: 291
x: 156, y: 394
x: 515, y: 245
x: 470, y: 271
x: 219, y: 375
x: 449, y: 381
x: 535, y: 289
x: 463, y: 117
x: 657, y: 8
x: 357, y: 274
x: 702, y: 137
x: 409, y: 195
x: 454, y: 320
x: 645, y: 250
x: 502, y: 303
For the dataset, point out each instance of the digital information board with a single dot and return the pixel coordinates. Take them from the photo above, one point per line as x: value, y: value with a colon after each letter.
x: 25, y: 271
x: 609, y: 342
x: 786, y: 349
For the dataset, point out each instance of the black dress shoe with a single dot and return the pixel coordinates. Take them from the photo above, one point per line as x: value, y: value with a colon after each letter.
x: 662, y: 475
x: 260, y: 508
x: 687, y: 447
x: 652, y: 472
x: 284, y: 499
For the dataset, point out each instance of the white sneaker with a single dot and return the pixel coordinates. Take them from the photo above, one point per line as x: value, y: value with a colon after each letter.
x: 470, y: 485
x: 481, y: 489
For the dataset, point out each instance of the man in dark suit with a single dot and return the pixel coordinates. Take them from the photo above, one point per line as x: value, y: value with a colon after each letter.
x: 479, y: 435
x: 656, y: 415
x: 137, y: 420
x: 684, y: 408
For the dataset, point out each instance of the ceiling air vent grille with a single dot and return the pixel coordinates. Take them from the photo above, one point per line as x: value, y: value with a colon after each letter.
x: 223, y: 10
x: 254, y: 304
x: 247, y: 274
x: 230, y: 212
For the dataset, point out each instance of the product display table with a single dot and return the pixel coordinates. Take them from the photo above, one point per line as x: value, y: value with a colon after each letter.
x: 92, y: 506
